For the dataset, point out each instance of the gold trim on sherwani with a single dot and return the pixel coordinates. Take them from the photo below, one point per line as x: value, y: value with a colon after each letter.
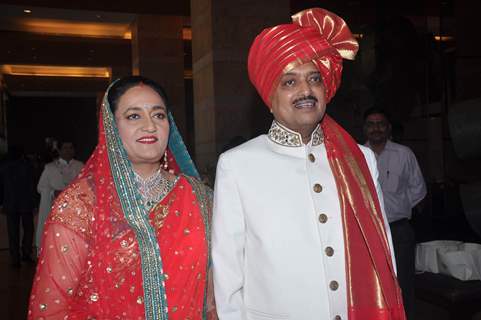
x: 288, y: 138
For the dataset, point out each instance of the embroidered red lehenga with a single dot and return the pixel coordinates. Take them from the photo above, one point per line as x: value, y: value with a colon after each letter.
x: 95, y: 263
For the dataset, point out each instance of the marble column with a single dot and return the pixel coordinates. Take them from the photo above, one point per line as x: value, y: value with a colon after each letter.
x: 226, y: 105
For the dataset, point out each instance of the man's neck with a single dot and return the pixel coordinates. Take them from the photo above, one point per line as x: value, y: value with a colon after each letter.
x: 64, y: 160
x: 377, y: 147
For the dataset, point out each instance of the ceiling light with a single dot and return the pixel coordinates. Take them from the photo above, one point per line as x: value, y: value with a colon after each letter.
x: 75, y: 28
x: 27, y: 11
x: 56, y: 71
x: 443, y: 38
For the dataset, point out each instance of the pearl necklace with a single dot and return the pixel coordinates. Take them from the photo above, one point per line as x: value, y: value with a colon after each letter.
x: 154, y: 188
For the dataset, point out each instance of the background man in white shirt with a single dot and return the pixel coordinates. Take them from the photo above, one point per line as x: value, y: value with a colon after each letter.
x: 403, y: 188
x: 55, y: 177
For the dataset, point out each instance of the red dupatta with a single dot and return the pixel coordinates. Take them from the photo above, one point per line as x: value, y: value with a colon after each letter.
x: 373, y: 291
x: 91, y: 264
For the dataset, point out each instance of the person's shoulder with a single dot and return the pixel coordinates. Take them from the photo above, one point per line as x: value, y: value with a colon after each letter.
x: 77, y: 162
x: 82, y: 188
x: 249, y: 147
x: 75, y: 206
x: 368, y: 153
x: 199, y: 187
x: 401, y: 149
x: 51, y: 166
x: 365, y: 149
x: 397, y: 146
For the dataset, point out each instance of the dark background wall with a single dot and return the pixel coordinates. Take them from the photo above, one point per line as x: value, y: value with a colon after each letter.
x: 32, y: 119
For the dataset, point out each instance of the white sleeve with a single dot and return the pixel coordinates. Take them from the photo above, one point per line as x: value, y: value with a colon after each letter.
x: 50, y: 180
x: 43, y: 183
x: 416, y: 190
x: 372, y: 164
x: 228, y: 242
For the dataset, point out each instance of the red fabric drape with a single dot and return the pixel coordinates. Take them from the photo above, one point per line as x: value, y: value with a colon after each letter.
x: 373, y: 291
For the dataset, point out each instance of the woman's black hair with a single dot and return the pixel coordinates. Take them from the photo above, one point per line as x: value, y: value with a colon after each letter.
x: 124, y: 84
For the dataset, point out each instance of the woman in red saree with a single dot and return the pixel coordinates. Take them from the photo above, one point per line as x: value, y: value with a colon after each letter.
x: 129, y: 238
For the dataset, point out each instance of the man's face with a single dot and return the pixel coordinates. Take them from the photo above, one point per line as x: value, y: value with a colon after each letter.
x: 67, y: 151
x: 298, y: 102
x: 377, y: 128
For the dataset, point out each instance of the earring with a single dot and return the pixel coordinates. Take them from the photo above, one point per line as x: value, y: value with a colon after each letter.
x: 165, y: 165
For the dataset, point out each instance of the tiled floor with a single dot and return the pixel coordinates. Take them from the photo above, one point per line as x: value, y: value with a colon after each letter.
x: 15, y: 287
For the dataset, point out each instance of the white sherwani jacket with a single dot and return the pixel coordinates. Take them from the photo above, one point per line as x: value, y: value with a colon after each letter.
x: 277, y: 241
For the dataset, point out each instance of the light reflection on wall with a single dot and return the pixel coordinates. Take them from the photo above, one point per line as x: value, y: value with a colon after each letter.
x: 56, y: 71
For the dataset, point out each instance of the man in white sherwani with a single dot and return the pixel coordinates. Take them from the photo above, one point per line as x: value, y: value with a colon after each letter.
x: 298, y: 228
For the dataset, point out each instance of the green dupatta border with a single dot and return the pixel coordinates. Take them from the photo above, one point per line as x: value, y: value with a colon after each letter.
x: 204, y: 197
x: 155, y: 299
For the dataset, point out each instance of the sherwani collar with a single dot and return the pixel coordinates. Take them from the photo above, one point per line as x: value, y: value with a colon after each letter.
x: 285, y: 137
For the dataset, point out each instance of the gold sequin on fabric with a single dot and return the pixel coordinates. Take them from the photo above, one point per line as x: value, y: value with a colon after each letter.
x: 204, y: 196
x: 94, y: 297
x: 161, y: 212
x: 75, y: 211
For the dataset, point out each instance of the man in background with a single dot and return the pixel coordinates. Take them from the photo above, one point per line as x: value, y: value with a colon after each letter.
x: 19, y: 202
x: 55, y: 177
x: 403, y: 188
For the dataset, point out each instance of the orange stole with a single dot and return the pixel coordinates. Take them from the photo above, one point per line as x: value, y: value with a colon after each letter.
x: 372, y: 289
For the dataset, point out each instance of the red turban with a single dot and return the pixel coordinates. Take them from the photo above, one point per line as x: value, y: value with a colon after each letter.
x: 316, y: 35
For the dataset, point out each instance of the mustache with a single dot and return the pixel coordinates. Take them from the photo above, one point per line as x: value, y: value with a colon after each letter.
x: 301, y: 99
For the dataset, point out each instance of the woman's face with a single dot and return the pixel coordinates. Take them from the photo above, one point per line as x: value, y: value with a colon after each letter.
x: 141, y: 117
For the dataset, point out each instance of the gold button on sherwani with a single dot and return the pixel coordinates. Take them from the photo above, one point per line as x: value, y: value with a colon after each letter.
x: 322, y: 218
x: 329, y: 251
x: 333, y: 285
